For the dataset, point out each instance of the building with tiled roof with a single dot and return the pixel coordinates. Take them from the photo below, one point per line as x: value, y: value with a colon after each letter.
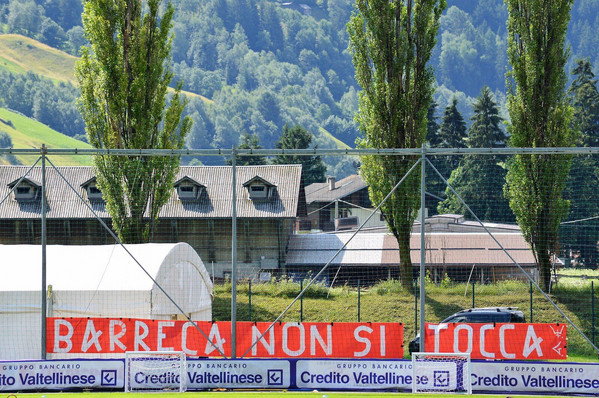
x: 199, y: 211
x: 338, y: 205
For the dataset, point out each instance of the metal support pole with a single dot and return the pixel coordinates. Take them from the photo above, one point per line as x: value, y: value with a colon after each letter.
x: 301, y: 300
x: 530, y: 302
x: 593, y: 311
x: 359, y: 300
x: 44, y: 288
x: 473, y: 294
x: 234, y: 255
x: 250, y: 299
x: 422, y: 246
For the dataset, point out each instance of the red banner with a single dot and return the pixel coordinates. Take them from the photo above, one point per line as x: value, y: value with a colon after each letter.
x: 499, y: 340
x: 283, y: 340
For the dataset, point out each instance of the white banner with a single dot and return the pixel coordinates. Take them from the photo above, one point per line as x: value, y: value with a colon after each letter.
x: 61, y: 374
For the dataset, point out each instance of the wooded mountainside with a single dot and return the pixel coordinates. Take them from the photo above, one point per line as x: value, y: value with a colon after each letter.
x: 264, y: 63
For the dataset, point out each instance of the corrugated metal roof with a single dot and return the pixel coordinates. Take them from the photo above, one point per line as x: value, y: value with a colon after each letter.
x: 319, y: 191
x: 215, y: 202
x: 375, y: 249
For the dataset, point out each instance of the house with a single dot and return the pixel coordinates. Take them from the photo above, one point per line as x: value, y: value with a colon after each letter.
x: 454, y: 247
x: 199, y: 212
x: 339, y: 205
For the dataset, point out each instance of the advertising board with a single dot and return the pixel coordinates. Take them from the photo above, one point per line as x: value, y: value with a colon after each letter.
x: 554, y: 378
x: 528, y: 341
x: 254, y: 339
x: 62, y: 374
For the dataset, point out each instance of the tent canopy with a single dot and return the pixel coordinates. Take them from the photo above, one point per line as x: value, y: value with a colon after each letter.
x: 111, y: 280
x: 105, y: 267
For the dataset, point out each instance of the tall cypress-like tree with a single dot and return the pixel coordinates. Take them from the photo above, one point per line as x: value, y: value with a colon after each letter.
x: 123, y: 78
x: 297, y: 137
x: 479, y: 179
x: 540, y: 117
x: 391, y: 42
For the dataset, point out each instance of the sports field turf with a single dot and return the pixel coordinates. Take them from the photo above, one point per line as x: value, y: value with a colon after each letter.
x: 252, y: 394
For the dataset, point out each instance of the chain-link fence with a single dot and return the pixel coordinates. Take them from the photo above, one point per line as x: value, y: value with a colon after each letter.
x: 263, y: 243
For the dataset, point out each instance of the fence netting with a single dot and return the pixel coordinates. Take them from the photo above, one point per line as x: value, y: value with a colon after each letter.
x: 269, y: 245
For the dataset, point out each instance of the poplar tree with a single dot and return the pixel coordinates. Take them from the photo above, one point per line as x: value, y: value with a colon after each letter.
x: 540, y: 117
x: 391, y: 42
x: 123, y: 77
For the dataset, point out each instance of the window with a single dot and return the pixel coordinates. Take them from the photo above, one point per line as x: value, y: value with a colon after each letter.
x: 259, y: 188
x: 258, y: 191
x: 24, y: 191
x: 93, y: 192
x: 188, y: 191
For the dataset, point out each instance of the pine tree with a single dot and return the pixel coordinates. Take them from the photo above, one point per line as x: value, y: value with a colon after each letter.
x: 581, y: 231
x: 479, y: 179
x: 297, y: 137
x: 585, y: 101
x: 249, y: 141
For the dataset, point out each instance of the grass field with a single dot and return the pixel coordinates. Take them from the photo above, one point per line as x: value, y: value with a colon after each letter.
x: 27, y: 133
x: 20, y: 54
x: 388, y: 302
x: 250, y: 394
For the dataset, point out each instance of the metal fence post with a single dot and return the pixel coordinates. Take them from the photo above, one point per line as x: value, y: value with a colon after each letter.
x: 250, y: 299
x: 593, y: 311
x: 358, y: 300
x: 43, y: 237
x: 234, y: 255
x: 530, y: 301
x: 301, y: 301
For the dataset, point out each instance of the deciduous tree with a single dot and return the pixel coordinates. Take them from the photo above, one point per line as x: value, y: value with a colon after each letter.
x: 391, y: 44
x: 124, y: 78
x: 540, y: 117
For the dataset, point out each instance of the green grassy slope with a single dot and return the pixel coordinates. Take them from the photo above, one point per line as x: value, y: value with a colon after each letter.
x: 28, y: 133
x: 20, y: 54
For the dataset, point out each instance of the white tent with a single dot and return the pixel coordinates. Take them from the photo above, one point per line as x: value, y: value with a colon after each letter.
x: 96, y: 281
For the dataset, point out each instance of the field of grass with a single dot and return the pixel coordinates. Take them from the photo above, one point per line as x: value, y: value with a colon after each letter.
x: 20, y: 54
x: 27, y: 133
x: 250, y: 394
x: 388, y: 302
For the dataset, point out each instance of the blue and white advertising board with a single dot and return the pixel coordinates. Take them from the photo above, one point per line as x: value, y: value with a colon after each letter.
x: 554, y: 378
x: 62, y: 375
x: 207, y: 374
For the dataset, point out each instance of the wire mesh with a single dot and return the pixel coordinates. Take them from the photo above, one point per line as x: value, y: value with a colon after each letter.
x: 304, y: 252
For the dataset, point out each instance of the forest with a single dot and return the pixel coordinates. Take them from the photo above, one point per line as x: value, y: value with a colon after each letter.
x: 262, y: 64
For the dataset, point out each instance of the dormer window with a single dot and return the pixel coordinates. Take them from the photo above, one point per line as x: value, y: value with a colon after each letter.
x: 91, y: 189
x: 258, y: 191
x: 259, y: 188
x: 188, y: 188
x: 26, y: 190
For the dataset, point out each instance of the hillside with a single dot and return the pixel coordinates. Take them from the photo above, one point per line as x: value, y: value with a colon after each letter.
x: 20, y: 54
x: 28, y: 133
